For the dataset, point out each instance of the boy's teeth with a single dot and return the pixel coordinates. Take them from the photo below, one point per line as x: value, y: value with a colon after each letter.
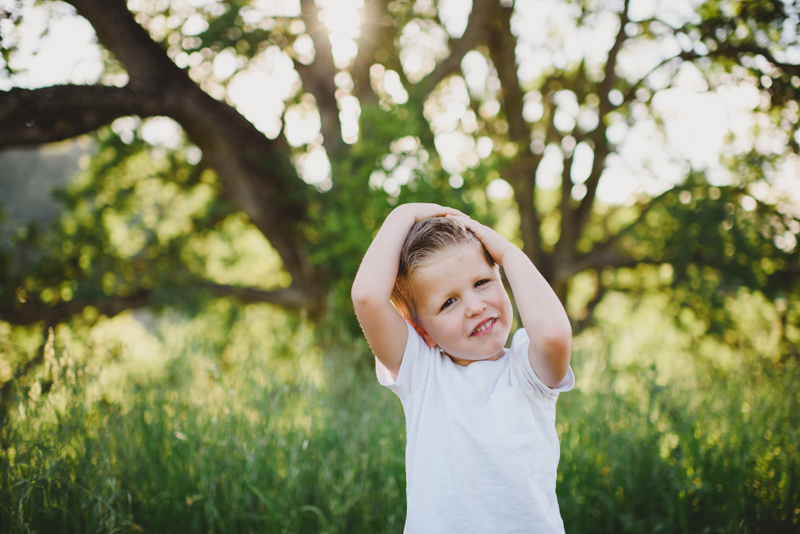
x: 484, y: 326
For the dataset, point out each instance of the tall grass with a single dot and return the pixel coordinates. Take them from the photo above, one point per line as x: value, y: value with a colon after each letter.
x: 270, y: 449
x: 720, y: 458
x: 272, y: 433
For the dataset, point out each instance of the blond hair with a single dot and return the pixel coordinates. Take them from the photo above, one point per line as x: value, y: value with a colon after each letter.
x: 426, y: 238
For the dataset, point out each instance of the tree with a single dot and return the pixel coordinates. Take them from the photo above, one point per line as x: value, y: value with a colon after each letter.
x: 575, y: 106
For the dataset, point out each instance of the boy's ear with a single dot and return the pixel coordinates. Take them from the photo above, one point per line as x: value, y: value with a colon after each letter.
x: 424, y: 335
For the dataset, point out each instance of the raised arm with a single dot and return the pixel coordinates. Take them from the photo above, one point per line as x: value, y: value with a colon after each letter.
x: 383, y: 327
x: 542, y: 314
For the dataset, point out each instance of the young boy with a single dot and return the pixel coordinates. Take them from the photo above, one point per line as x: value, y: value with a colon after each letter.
x: 482, y: 449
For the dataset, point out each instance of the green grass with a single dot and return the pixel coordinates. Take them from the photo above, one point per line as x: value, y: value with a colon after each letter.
x: 676, y: 460
x: 265, y: 431
x: 200, y: 452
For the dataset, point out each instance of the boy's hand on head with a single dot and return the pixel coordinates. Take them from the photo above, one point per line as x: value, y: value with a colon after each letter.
x: 421, y: 210
x: 540, y: 311
x: 384, y: 327
x: 496, y: 244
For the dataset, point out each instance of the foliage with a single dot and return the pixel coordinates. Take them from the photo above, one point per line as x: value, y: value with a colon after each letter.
x: 139, y: 221
x: 240, y: 418
x: 577, y: 110
x: 346, y: 218
x: 711, y: 242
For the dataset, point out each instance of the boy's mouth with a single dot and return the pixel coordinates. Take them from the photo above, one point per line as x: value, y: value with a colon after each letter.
x: 484, y: 327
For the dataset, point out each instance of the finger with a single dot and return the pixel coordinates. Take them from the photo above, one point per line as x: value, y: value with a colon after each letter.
x: 472, y: 224
x: 454, y: 212
x: 463, y: 218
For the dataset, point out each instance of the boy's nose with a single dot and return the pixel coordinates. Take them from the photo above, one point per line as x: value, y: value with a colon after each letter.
x: 475, y: 306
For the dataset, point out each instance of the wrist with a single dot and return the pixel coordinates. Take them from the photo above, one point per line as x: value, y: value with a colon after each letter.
x: 511, y: 254
x: 404, y: 214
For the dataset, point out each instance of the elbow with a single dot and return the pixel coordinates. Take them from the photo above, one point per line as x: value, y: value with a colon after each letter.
x: 361, y: 296
x: 550, y: 355
x: 557, y: 344
x: 358, y: 296
x: 369, y: 296
x: 558, y: 354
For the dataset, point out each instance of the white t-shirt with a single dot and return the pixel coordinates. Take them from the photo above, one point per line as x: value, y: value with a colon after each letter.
x: 482, y: 449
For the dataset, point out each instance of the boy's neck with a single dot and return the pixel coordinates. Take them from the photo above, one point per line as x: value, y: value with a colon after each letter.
x: 465, y: 363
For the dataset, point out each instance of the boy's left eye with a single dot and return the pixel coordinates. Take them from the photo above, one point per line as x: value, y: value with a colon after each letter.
x: 482, y: 282
x: 447, y: 303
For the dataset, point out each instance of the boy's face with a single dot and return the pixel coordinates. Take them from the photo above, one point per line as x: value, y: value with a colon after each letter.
x: 462, y: 305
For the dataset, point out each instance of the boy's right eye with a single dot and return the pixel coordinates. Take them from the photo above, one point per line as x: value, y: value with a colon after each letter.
x: 447, y: 303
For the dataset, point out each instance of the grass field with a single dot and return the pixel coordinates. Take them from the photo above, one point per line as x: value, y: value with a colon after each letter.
x: 263, y: 426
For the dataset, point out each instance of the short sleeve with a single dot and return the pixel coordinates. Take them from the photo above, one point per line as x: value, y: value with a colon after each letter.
x: 521, y: 366
x: 413, y: 368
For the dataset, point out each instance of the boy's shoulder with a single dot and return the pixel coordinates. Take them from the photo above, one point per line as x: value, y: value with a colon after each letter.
x: 519, y: 338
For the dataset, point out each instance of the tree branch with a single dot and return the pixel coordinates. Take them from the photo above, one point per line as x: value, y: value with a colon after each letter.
x: 565, y: 248
x: 317, y: 78
x: 148, y: 66
x: 502, y: 48
x: 601, y: 144
x: 377, y: 33
x: 588, y: 319
x: 256, y: 172
x: 606, y: 253
x: 475, y: 31
x: 35, y: 116
x: 631, y: 92
x: 289, y: 297
x: 521, y: 175
x: 732, y: 51
x: 34, y: 312
x: 30, y: 312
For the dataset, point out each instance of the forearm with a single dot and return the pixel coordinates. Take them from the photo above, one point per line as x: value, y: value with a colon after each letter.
x: 542, y: 314
x: 378, y: 271
x: 383, y: 326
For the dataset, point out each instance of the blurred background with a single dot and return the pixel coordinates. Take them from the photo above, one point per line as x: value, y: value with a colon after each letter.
x: 187, y: 188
